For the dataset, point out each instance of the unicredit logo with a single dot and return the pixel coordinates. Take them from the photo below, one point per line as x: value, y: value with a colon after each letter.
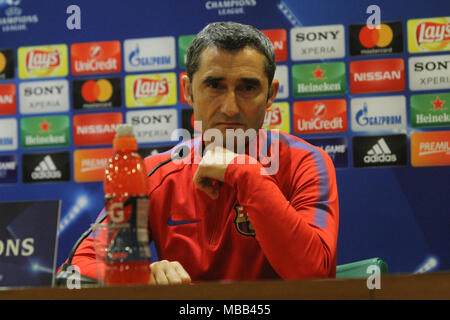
x: 97, y: 57
x: 318, y: 124
x: 94, y: 65
x: 320, y: 116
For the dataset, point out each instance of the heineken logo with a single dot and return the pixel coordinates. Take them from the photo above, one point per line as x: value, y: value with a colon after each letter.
x: 318, y: 79
x: 430, y: 110
x: 38, y: 132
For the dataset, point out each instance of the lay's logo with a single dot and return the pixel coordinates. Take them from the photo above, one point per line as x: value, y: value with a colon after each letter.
x: 157, y: 89
x: 43, y: 61
x: 39, y: 59
x: 429, y: 34
x: 273, y: 117
x: 277, y: 117
x: 144, y: 88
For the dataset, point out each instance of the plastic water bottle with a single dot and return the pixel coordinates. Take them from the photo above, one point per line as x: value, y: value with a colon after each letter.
x: 126, y: 202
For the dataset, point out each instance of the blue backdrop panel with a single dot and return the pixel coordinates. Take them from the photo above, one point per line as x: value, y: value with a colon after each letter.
x: 401, y: 214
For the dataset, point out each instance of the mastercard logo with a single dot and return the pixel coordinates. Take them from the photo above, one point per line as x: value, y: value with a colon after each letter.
x: 377, y: 37
x: 2, y: 62
x: 97, y: 90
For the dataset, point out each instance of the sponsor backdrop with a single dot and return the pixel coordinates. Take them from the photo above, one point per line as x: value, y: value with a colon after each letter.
x: 376, y: 99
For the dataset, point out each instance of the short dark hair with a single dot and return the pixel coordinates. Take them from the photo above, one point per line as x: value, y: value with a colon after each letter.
x: 231, y: 36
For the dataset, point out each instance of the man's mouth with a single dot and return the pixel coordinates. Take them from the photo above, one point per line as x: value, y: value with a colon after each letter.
x: 229, y: 124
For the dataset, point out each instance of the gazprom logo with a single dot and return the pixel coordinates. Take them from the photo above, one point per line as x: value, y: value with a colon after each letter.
x: 363, y: 118
x: 136, y: 60
x: 384, y: 113
x: 149, y: 54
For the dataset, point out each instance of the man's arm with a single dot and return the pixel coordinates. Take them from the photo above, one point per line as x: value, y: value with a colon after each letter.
x: 298, y: 236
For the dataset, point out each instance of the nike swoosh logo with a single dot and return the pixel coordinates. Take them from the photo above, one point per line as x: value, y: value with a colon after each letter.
x: 172, y: 223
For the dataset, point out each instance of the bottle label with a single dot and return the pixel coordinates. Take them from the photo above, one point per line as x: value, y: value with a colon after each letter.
x: 127, y: 229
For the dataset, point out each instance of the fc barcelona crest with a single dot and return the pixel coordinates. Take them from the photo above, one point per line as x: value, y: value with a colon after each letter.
x: 242, y: 223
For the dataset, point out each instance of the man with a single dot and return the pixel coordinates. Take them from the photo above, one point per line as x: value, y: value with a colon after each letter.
x: 223, y: 215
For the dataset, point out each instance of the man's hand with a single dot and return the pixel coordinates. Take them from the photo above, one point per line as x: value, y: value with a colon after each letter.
x: 165, y: 272
x: 211, y: 169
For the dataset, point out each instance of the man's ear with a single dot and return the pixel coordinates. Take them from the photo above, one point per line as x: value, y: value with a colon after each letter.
x: 187, y: 89
x: 273, y: 92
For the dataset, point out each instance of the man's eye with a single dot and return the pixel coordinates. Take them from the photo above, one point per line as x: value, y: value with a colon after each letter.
x: 213, y: 85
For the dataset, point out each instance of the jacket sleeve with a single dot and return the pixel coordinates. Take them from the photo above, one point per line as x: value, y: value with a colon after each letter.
x: 296, y: 232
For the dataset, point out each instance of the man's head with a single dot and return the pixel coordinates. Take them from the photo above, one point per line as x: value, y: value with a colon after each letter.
x: 230, y: 82
x: 230, y: 36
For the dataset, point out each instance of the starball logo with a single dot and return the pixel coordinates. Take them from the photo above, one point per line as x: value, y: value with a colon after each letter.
x: 96, y: 57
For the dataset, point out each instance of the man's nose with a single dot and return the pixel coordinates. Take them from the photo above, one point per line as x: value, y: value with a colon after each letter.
x: 230, y: 106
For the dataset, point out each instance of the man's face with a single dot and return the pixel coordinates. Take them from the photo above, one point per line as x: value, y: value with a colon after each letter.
x: 230, y: 90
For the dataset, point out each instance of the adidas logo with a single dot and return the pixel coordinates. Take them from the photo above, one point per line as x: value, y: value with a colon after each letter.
x: 46, y: 169
x: 380, y: 152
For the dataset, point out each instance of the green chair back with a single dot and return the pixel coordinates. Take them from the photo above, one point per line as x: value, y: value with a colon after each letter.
x: 358, y: 269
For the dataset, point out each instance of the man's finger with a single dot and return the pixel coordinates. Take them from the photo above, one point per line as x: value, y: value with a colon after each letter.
x: 165, y: 272
x: 184, y: 276
x: 158, y: 269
